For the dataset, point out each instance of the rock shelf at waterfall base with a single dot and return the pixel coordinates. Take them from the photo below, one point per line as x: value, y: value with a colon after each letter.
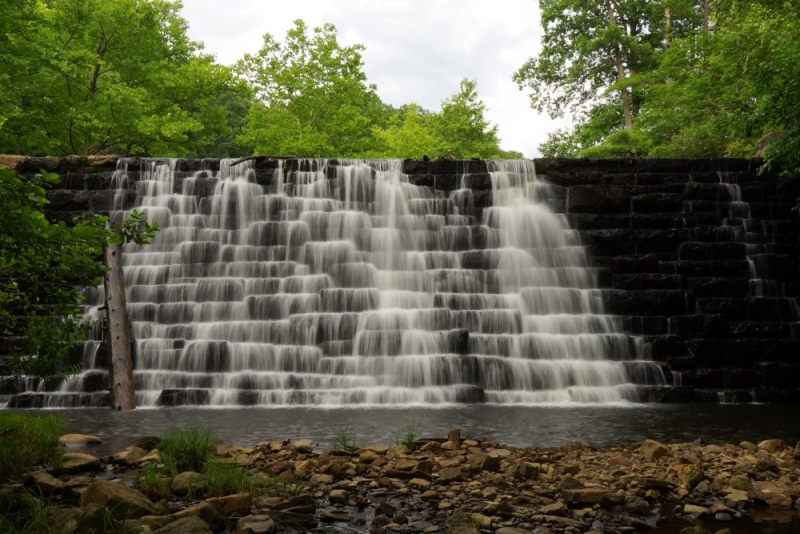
x: 455, y: 485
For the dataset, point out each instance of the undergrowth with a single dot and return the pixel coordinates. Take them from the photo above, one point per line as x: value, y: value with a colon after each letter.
x: 28, y: 442
x: 344, y: 438
x: 408, y: 437
x: 227, y: 478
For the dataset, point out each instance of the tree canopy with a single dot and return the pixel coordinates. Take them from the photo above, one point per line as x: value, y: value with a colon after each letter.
x: 670, y: 78
x: 122, y: 77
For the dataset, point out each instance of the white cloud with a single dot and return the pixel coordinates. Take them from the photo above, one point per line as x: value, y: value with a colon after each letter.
x: 416, y: 50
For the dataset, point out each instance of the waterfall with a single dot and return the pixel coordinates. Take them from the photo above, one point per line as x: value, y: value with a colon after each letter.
x: 343, y: 282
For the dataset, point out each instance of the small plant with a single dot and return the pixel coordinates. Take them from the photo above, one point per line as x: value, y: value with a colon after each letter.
x: 150, y: 479
x: 185, y: 450
x: 344, y: 438
x: 22, y: 513
x: 270, y: 486
x: 408, y: 437
x: 28, y: 442
x: 227, y: 478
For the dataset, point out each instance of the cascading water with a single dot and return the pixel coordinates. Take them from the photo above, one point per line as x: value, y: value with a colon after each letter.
x: 342, y: 282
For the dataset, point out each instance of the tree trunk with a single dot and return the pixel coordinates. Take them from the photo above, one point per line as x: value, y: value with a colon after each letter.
x: 706, y: 10
x: 626, y: 104
x: 120, y: 369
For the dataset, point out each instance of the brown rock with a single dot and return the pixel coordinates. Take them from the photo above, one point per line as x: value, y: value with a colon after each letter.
x: 236, y: 505
x: 75, y: 462
x: 336, y: 516
x: 187, y: 481
x: 419, y: 483
x: 696, y: 529
x: 47, y: 483
x: 337, y: 496
x: 619, y: 460
x: 122, y: 501
x: 367, y: 457
x: 298, y: 501
x: 454, y: 436
x: 255, y: 524
x: 78, y: 439
x: 318, y: 479
x: 186, y: 525
x: 483, y: 462
x: 151, y: 522
x: 210, y: 513
x: 690, y: 474
x: 694, y: 509
x: 653, y: 450
x: 773, y: 445
x: 741, y: 483
x: 130, y: 455
x: 450, y: 474
x: 767, y: 462
x: 13, y: 163
x: 282, y: 516
x: 752, y: 447
x: 587, y: 495
x: 430, y: 495
x: 557, y: 508
x: 396, y: 452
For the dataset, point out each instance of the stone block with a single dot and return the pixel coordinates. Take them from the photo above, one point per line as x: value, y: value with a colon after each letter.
x: 597, y: 199
x: 608, y: 242
x: 735, y: 288
x: 699, y: 326
x: 660, y: 241
x: 718, y: 269
x: 665, y: 302
x: 694, y: 251
x: 647, y: 281
x: 657, y: 203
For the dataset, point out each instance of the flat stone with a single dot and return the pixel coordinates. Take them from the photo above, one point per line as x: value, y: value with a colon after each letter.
x: 47, y: 483
x: 773, y: 445
x: 564, y: 521
x: 186, y: 525
x: 282, y: 516
x: 587, y: 495
x: 690, y: 474
x: 653, y: 450
x: 236, y: 505
x: 151, y: 522
x: 694, y: 509
x: 419, y: 483
x: 319, y: 479
x: 129, y: 456
x: 187, y: 481
x: 210, y: 513
x: 79, y: 439
x: 335, y: 516
x: 256, y: 524
x: 511, y: 530
x: 556, y: 508
x: 483, y: 462
x: 337, y: 496
x: 75, y: 462
x: 122, y: 501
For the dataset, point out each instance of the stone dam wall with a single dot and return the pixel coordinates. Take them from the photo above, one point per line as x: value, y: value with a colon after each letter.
x: 698, y: 256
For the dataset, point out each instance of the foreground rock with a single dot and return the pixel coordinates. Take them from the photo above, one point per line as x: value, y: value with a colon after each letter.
x: 458, y: 485
x: 121, y: 501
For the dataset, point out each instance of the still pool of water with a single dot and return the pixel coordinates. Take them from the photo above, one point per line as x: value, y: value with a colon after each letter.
x: 510, y: 425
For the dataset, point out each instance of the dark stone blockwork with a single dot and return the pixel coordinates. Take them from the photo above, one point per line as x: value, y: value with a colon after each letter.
x: 697, y: 256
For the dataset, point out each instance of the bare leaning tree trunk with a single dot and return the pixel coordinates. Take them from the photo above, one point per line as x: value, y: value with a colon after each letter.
x: 120, y: 368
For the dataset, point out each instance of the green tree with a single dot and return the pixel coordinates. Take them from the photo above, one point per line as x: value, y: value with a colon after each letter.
x: 312, y: 98
x: 597, y: 52
x: 43, y: 267
x: 121, y: 76
x: 407, y: 135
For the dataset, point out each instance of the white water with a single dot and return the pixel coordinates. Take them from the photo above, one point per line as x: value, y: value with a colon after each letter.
x: 357, y: 286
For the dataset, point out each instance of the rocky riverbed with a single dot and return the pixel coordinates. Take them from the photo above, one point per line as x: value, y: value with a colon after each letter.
x: 454, y: 485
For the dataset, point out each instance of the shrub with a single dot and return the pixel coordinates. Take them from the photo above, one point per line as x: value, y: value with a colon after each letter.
x: 407, y: 437
x: 27, y: 442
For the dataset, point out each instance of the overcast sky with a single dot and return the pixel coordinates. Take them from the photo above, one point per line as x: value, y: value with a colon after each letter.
x: 416, y: 50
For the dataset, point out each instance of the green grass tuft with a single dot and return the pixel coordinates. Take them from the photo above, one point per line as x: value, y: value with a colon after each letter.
x: 226, y: 478
x: 28, y: 442
x: 185, y: 450
x: 408, y: 437
x: 344, y: 438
